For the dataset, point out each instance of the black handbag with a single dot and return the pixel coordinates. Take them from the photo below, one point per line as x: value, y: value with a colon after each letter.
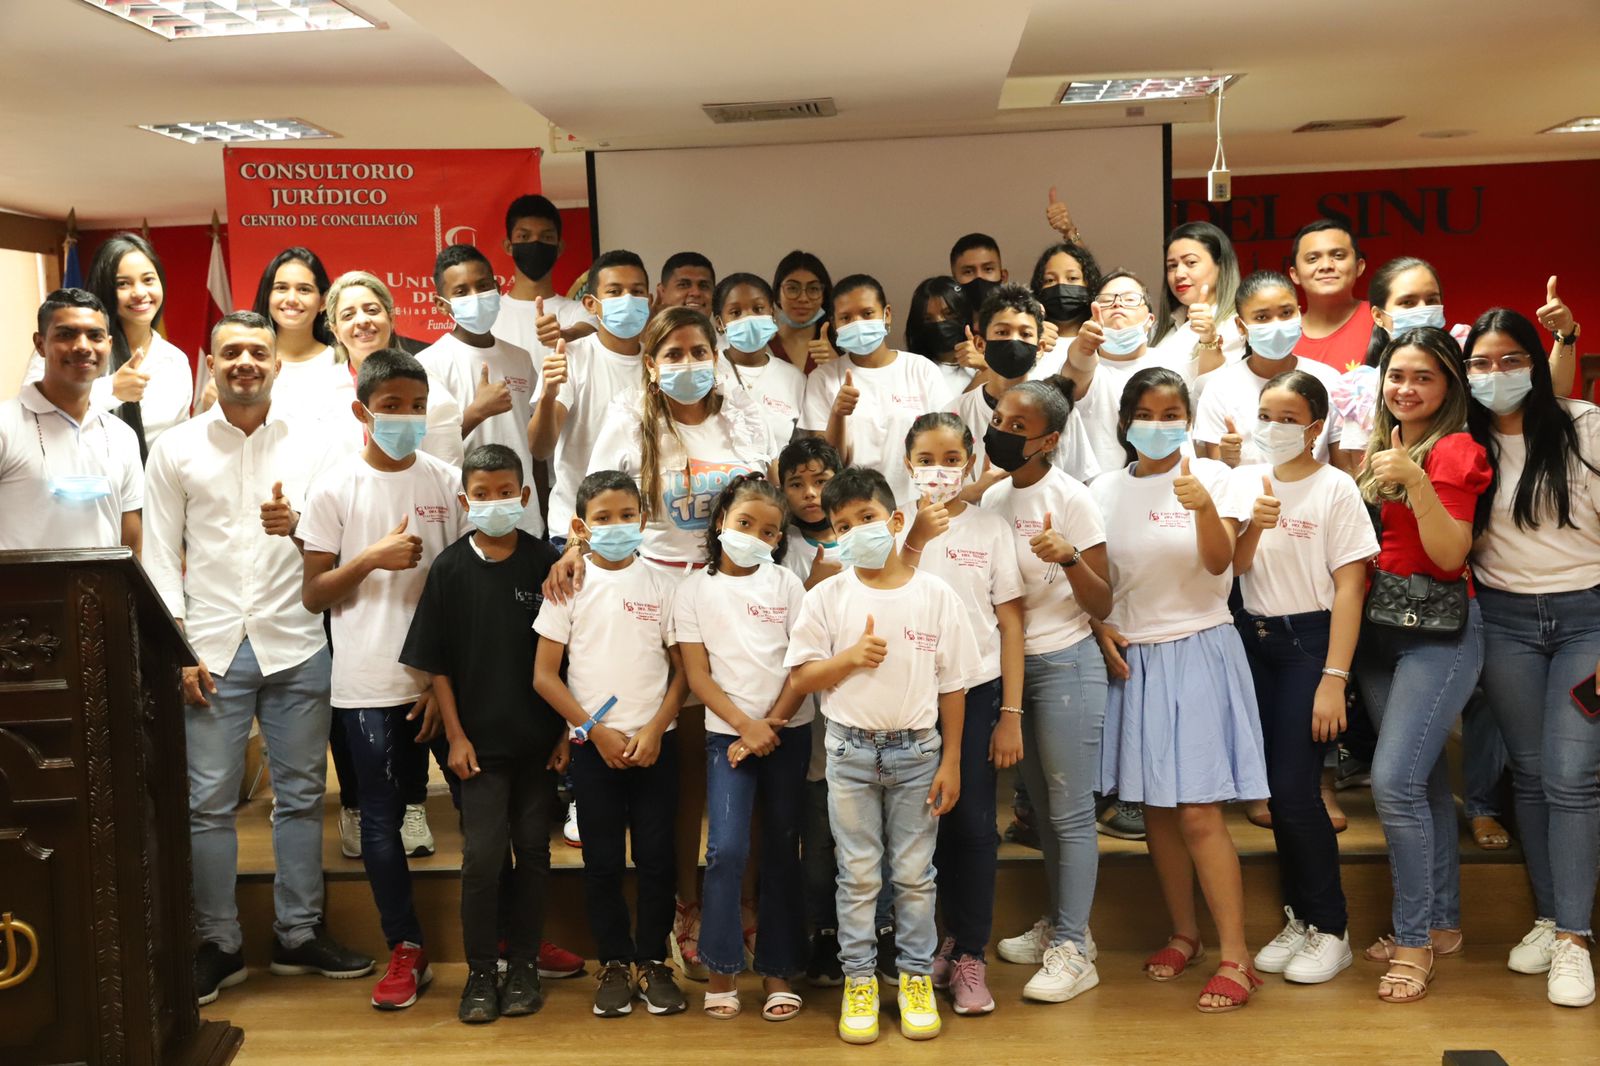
x: 1417, y: 604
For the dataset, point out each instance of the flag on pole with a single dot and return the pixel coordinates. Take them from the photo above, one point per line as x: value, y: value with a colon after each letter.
x: 219, y: 301
x: 71, y: 270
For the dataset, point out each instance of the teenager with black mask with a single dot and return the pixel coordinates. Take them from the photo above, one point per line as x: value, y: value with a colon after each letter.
x: 938, y: 328
x: 532, y: 313
x: 1064, y: 282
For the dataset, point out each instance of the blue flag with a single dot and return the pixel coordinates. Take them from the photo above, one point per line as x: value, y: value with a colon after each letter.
x: 72, y: 274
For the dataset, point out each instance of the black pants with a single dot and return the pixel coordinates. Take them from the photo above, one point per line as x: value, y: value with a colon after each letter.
x: 614, y: 806
x: 504, y: 804
x: 1286, y: 658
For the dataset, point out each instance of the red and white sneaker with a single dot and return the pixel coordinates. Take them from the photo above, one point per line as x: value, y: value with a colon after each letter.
x: 408, y: 974
x: 556, y: 961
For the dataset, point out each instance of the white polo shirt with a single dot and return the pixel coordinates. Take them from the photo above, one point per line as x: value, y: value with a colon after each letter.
x: 39, y: 441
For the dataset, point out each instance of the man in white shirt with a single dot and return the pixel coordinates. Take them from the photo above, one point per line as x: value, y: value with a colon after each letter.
x: 533, y: 314
x: 223, y: 491
x: 69, y: 475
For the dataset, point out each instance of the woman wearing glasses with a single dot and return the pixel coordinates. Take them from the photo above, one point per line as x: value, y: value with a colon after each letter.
x: 804, y: 294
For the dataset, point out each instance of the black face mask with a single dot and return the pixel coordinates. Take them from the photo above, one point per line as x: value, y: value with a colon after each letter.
x: 1004, y: 449
x: 1065, y: 303
x: 977, y: 291
x: 938, y: 338
x: 1010, y: 358
x: 534, y: 258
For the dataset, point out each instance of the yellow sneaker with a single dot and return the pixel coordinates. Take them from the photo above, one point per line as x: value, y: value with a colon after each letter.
x: 919, y: 1011
x: 858, y: 1012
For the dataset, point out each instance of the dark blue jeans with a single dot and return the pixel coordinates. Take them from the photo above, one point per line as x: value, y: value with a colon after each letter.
x: 1286, y: 658
x: 776, y: 783
x: 965, y: 858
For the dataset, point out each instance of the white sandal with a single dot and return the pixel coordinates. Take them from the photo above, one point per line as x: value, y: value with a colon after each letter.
x: 715, y: 1001
x: 780, y: 999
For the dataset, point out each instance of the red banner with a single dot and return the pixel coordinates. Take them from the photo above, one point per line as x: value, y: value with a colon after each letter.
x: 386, y: 212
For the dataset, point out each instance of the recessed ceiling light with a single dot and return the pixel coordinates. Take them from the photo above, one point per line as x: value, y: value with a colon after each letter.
x: 1586, y: 124
x: 1445, y: 135
x: 183, y: 19
x: 234, y: 130
x: 1121, y: 90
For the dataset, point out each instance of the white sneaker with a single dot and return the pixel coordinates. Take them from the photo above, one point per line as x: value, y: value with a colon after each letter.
x: 415, y: 836
x: 1571, y: 980
x: 350, y: 832
x: 569, y: 830
x: 1065, y: 974
x: 1028, y: 948
x: 1321, y: 958
x: 1276, y: 955
x: 1090, y: 950
x: 1533, y: 954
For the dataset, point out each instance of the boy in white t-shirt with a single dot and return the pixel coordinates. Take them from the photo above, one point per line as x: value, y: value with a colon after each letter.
x: 372, y: 527
x: 533, y: 316
x: 890, y: 650
x: 621, y: 696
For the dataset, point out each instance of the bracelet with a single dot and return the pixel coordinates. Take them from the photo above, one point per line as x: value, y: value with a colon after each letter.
x: 1333, y: 671
x: 1011, y: 710
x: 909, y: 548
x: 1211, y: 345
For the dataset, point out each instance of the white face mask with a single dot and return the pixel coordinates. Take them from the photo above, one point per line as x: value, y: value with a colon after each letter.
x: 940, y: 484
x: 1279, y: 442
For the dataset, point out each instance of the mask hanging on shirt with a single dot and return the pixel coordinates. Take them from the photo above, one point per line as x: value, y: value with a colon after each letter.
x: 1065, y: 303
x: 495, y: 518
x: 1279, y: 442
x: 1010, y: 358
x: 534, y: 258
x: 80, y: 488
x: 938, y: 483
x: 816, y: 316
x: 744, y: 549
x: 624, y: 317
x: 863, y: 336
x: 1405, y: 318
x: 398, y: 436
x: 476, y: 312
x: 751, y: 333
x: 1156, y: 440
x: 1006, y: 449
x: 1274, y: 340
x: 1501, y: 391
x: 866, y: 546
x: 689, y: 382
x: 1123, y: 340
x: 615, y: 543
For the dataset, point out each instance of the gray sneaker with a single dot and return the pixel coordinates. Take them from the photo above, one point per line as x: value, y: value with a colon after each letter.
x: 1125, y: 821
x: 613, y: 993
x: 659, y: 991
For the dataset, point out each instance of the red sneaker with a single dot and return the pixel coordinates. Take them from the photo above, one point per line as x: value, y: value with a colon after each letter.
x: 556, y: 961
x: 407, y: 976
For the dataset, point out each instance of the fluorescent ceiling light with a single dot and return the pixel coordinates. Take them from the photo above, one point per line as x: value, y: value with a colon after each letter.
x: 1123, y: 90
x: 1586, y: 124
x: 183, y: 19
x: 230, y: 131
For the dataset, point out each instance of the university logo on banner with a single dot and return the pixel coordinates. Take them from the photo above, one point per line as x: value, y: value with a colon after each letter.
x: 386, y: 212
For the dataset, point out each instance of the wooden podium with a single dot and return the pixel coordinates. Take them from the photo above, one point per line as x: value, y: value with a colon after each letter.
x: 96, y: 915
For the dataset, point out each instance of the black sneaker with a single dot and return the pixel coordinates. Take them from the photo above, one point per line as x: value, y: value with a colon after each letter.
x: 613, y: 993
x: 214, y: 970
x: 480, y: 1000
x: 320, y: 955
x: 659, y: 991
x: 522, y: 993
x: 824, y: 970
x: 887, y: 954
x: 1352, y: 772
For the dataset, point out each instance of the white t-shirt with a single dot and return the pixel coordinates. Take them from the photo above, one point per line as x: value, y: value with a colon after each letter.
x: 1053, y: 619
x: 442, y: 440
x: 776, y: 386
x: 799, y: 557
x: 1322, y: 526
x: 891, y: 399
x: 734, y: 441
x: 617, y: 629
x: 1161, y: 589
x: 348, y: 509
x: 1548, y: 558
x: 931, y: 649
x: 1235, y: 392
x: 744, y: 623
x: 168, y: 394
x: 595, y: 376
x: 515, y: 322
x: 305, y: 389
x: 977, y: 557
x: 459, y: 368
x: 39, y: 441
x: 1074, y: 454
x: 954, y: 379
x: 1099, y: 404
x: 1179, y: 345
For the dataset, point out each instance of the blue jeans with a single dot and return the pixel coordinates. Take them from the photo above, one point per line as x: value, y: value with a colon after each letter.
x: 1483, y: 759
x: 292, y: 706
x: 1416, y: 687
x: 777, y: 781
x: 878, y: 805
x: 965, y: 857
x: 822, y: 865
x: 1538, y: 649
x: 1064, y: 694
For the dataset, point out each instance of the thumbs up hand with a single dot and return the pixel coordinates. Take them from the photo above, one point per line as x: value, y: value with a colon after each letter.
x: 546, y: 326
x: 1232, y: 442
x: 1050, y: 546
x: 844, y: 404
x: 967, y: 354
x: 398, y: 550
x: 128, y: 384
x: 1554, y: 315
x: 932, y: 520
x: 554, y: 368
x: 1203, y: 316
x: 818, y: 349
x: 1059, y: 218
x: 822, y: 567
x: 492, y: 398
x: 1394, y: 465
x: 1090, y: 336
x: 870, y: 650
x: 1190, y: 492
x: 277, y: 517
x: 1265, y: 513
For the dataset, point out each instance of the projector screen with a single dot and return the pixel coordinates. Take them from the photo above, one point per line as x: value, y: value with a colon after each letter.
x: 888, y: 208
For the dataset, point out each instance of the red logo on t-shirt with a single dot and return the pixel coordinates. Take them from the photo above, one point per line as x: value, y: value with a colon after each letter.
x: 1028, y: 527
x: 919, y: 640
x: 516, y: 384
x: 431, y: 512
x: 644, y: 612
x: 908, y: 402
x: 777, y: 615
x: 1299, y: 528
x: 1170, y: 519
x: 968, y: 557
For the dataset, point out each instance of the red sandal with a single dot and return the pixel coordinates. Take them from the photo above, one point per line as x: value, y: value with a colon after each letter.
x: 1237, y: 995
x: 1173, y: 959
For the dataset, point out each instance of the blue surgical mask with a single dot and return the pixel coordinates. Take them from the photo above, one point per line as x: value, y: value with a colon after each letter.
x: 398, y: 435
x: 1156, y: 440
x: 744, y: 549
x: 475, y: 312
x: 617, y: 542
x: 688, y: 382
x: 1405, y: 318
x: 80, y: 488
x: 866, y: 546
x: 863, y: 336
x: 1502, y: 391
x: 1274, y: 340
x: 816, y: 316
x: 1123, y: 340
x: 751, y: 333
x: 624, y: 316
x: 495, y: 518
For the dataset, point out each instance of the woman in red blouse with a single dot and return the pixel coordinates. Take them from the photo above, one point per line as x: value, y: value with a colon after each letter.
x: 1425, y: 473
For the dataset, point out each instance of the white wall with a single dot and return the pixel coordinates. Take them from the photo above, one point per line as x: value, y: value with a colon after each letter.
x: 888, y: 208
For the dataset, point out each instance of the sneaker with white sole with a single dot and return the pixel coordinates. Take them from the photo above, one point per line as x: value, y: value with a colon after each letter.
x: 858, y: 1010
x: 1533, y: 954
x: 415, y: 836
x: 569, y: 828
x: 1028, y: 948
x: 350, y: 832
x: 919, y: 1008
x: 1066, y: 973
x: 969, y: 986
x: 1571, y: 980
x: 1275, y: 956
x: 944, y: 961
x: 1091, y: 950
x: 1322, y: 957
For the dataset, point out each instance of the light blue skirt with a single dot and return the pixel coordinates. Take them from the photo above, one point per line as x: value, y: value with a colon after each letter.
x: 1184, y: 727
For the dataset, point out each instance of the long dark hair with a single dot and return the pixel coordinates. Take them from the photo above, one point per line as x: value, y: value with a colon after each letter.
x: 102, y: 281
x: 1548, y: 434
x: 321, y: 332
x: 955, y: 299
x: 744, y: 487
x: 1379, y: 288
x: 1151, y: 377
x: 1221, y: 250
x: 1079, y: 254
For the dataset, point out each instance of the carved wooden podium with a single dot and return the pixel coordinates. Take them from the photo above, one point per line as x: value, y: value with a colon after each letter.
x: 96, y: 919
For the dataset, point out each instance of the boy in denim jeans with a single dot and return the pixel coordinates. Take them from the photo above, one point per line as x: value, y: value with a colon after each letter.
x: 889, y: 649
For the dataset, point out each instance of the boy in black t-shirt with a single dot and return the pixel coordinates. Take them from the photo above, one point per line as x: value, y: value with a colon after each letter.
x: 473, y: 631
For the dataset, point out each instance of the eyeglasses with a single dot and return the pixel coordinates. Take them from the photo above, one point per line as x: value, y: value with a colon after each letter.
x: 795, y: 290
x: 1129, y: 300
x: 1509, y: 361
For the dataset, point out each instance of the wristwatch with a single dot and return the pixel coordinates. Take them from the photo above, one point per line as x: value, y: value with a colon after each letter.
x: 581, y: 734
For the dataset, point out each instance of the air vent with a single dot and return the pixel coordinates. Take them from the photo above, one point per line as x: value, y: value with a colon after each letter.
x: 1339, y: 125
x: 769, y: 110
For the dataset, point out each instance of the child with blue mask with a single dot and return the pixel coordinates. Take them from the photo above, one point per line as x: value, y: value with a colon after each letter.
x: 744, y: 313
